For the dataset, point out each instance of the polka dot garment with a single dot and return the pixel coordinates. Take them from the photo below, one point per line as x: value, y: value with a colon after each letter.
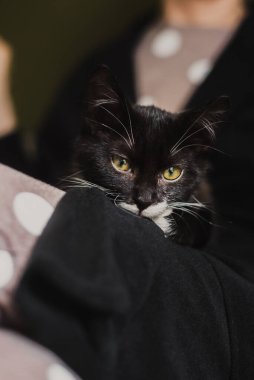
x: 25, y: 205
x: 21, y: 359
x: 6, y: 268
x: 58, y: 372
x: 171, y: 62
x: 32, y: 212
x: 167, y: 43
x: 25, y: 208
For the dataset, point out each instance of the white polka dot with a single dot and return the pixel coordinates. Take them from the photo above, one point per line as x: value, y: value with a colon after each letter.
x: 146, y: 100
x: 32, y: 212
x: 6, y: 268
x: 166, y: 43
x: 199, y: 70
x: 58, y: 372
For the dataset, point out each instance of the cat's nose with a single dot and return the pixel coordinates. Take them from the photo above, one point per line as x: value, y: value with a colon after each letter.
x: 143, y: 202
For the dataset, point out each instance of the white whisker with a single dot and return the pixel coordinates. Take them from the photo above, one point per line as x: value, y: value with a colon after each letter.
x: 183, y: 206
x: 201, y: 145
x: 116, y: 118
x: 69, y: 177
x: 192, y: 134
x: 189, y: 128
x: 182, y: 218
x: 112, y: 129
x: 100, y: 102
x: 76, y: 182
x: 130, y: 123
x: 188, y: 204
x: 115, y: 200
x: 121, y: 206
x: 185, y: 209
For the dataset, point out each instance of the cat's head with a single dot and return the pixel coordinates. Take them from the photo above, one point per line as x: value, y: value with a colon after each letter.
x: 147, y: 159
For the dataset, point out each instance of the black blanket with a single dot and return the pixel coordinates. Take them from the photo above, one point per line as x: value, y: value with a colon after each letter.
x: 116, y: 300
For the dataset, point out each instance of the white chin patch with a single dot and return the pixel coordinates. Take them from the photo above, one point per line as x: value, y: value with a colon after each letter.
x: 161, y: 219
x: 157, y: 213
x: 165, y: 224
x: 155, y: 210
x: 129, y: 207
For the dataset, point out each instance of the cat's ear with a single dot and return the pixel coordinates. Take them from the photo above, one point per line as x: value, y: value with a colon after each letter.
x: 201, y: 124
x: 105, y: 105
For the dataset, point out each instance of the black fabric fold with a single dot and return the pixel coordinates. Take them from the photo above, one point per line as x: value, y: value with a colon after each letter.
x: 116, y: 300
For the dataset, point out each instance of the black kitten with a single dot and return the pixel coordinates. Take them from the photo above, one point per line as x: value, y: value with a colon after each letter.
x: 151, y: 162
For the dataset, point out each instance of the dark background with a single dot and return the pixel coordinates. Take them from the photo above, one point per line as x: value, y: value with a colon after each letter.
x: 49, y: 37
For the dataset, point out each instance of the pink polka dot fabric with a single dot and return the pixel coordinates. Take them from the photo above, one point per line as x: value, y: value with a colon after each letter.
x: 22, y: 359
x: 25, y: 208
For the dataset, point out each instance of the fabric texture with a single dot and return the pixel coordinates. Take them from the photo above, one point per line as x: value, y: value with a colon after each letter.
x: 116, y: 300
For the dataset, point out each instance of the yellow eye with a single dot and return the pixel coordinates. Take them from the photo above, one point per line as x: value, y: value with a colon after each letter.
x: 172, y: 173
x: 120, y: 163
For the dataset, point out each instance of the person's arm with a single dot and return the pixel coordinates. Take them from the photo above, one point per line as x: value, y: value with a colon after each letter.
x: 11, y: 149
x: 8, y: 118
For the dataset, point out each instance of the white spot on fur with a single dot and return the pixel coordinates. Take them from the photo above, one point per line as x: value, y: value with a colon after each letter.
x: 155, y: 210
x: 163, y: 222
x: 158, y: 213
x: 129, y: 207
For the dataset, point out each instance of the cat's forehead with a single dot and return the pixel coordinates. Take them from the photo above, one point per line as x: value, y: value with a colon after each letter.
x: 152, y: 122
x: 150, y: 129
x: 153, y: 115
x: 154, y: 127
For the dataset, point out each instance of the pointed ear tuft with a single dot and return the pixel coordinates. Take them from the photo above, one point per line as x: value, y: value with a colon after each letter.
x: 218, y: 107
x: 213, y: 116
x: 102, y: 87
x: 104, y: 102
x: 200, y: 125
x: 197, y: 127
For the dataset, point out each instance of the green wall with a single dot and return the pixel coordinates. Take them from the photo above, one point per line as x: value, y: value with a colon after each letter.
x: 49, y: 37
